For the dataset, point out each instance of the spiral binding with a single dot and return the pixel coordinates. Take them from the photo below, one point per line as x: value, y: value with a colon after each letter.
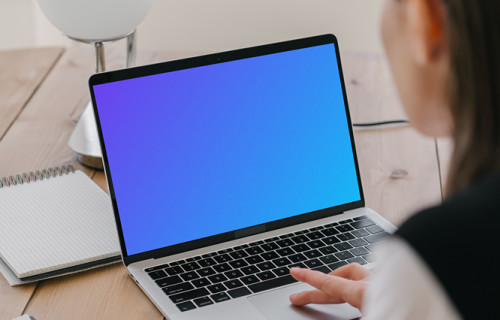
x: 28, y: 177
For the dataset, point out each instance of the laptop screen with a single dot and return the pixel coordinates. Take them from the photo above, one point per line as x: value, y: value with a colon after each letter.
x: 197, y: 152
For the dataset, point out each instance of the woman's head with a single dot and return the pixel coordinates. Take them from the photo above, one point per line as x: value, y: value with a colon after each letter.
x: 445, y: 59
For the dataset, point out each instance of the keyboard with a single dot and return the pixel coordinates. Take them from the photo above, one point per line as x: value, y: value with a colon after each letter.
x: 262, y: 265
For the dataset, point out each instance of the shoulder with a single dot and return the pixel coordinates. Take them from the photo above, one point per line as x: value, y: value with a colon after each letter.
x: 458, y: 241
x: 402, y: 284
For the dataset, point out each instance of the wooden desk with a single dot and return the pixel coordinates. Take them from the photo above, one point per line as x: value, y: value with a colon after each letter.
x: 42, y: 94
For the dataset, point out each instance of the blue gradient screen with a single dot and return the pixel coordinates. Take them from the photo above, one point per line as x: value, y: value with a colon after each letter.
x: 212, y: 149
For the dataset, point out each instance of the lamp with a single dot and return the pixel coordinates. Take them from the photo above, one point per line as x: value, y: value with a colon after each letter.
x: 95, y: 22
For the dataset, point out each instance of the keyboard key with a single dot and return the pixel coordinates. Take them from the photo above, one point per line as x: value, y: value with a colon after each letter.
x: 331, y: 240
x: 188, y: 276
x: 300, y: 239
x: 185, y: 306
x: 271, y: 284
x: 239, y: 292
x: 285, y: 236
x: 317, y: 228
x: 249, y: 279
x: 281, y: 262
x: 233, y: 274
x: 273, y: 239
x: 172, y: 271
x: 343, y: 246
x: 269, y: 255
x: 360, y: 233
x: 315, y: 235
x: 323, y: 269
x: 160, y: 267
x: 284, y: 243
x: 285, y: 252
x: 357, y: 260
x: 198, y: 283
x: 376, y: 237
x: 344, y: 255
x: 225, y: 250
x: 372, y: 247
x: 362, y: 223
x: 190, y: 266
x: 344, y: 228
x: 177, y: 288
x: 243, y: 246
x: 360, y: 218
x: 249, y: 270
x: 207, y: 262
x: 312, y: 254
x: 223, y: 258
x: 346, y: 236
x: 301, y: 247
x: 208, y: 255
x: 374, y: 229
x: 266, y: 265
x: 297, y: 258
x: 231, y: 284
x: 359, y: 251
x: 201, y: 302
x: 283, y: 271
x: 219, y: 297
x: 358, y: 243
x: 254, y: 250
x: 238, y: 263
x: 189, y: 295
x: 266, y: 275
x: 205, y: 272
x: 222, y: 267
x: 218, y: 287
x: 217, y: 278
x: 157, y: 274
x: 254, y: 259
x: 238, y: 254
x: 269, y: 246
x: 329, y: 259
x: 336, y: 265
x: 315, y: 244
x: 297, y: 265
x: 329, y: 231
x: 168, y: 281
x: 327, y: 250
x: 313, y: 263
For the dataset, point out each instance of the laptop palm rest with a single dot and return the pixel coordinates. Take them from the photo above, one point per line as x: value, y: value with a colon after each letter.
x: 275, y: 305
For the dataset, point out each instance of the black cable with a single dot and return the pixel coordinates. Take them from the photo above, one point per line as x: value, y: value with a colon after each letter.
x: 381, y: 123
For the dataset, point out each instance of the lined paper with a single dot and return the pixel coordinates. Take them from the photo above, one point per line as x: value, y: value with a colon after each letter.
x: 55, y: 223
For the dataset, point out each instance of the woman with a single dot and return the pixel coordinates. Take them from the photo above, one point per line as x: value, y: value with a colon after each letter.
x: 442, y: 262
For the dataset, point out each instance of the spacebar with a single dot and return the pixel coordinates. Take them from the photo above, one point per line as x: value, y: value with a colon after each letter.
x: 270, y: 284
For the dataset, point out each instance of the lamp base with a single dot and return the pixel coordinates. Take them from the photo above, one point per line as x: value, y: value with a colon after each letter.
x: 85, y: 141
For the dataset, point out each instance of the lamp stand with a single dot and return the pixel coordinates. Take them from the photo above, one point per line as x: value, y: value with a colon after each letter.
x: 84, y: 140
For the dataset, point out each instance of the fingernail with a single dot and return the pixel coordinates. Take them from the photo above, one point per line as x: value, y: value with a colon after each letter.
x: 291, y: 297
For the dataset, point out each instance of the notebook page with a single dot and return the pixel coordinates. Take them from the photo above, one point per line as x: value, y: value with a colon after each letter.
x: 55, y: 223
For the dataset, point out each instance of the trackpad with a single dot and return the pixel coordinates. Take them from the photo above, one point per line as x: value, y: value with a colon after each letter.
x: 275, y: 305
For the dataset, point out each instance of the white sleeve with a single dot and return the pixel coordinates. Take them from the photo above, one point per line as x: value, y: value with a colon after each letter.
x: 403, y: 287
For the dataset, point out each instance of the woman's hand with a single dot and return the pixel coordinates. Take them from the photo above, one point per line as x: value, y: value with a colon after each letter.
x: 345, y: 284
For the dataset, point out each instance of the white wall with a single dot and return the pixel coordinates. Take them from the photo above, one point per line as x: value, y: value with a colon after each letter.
x: 215, y: 25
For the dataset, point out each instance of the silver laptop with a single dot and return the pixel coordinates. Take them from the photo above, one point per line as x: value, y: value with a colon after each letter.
x: 226, y: 170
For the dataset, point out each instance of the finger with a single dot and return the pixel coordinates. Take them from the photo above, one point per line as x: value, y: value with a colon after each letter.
x: 352, y: 271
x: 313, y: 296
x: 329, y: 284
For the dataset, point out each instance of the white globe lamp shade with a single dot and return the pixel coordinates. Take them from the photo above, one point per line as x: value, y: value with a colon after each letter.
x: 95, y: 20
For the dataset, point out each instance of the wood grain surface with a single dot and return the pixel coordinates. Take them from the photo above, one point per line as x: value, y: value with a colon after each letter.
x: 48, y: 105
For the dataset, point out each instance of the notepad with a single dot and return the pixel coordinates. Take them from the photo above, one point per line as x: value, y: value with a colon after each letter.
x: 54, y: 222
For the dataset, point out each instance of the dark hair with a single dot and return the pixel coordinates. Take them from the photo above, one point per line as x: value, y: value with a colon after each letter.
x: 474, y: 39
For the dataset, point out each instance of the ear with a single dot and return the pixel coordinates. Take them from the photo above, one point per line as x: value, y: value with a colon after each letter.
x: 427, y: 23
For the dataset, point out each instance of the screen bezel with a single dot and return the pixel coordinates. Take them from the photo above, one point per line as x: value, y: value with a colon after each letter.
x: 205, y: 60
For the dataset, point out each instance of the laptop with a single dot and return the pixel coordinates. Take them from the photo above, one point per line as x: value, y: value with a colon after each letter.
x: 226, y: 170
